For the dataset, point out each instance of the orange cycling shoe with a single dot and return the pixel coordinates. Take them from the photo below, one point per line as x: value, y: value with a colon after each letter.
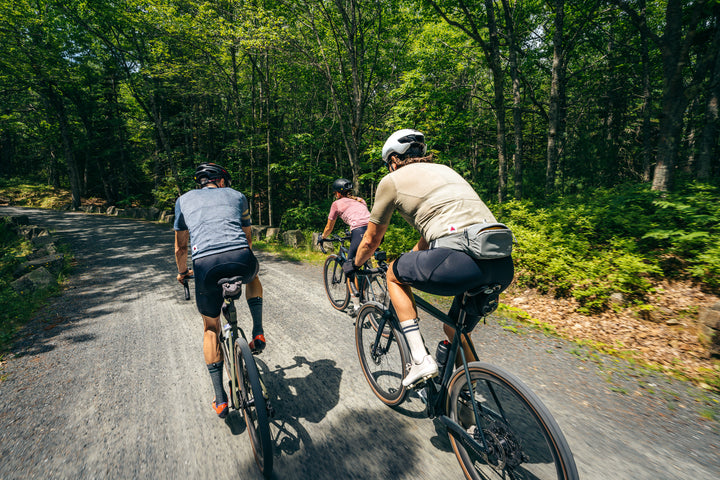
x: 257, y: 345
x: 221, y: 410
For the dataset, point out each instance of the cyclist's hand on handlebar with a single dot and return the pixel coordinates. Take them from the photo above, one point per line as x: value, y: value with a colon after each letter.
x: 182, y: 276
x: 350, y: 269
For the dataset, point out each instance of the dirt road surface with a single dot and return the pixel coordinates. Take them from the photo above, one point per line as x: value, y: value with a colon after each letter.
x: 109, y: 382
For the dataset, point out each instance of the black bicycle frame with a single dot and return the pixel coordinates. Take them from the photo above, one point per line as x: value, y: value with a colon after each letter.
x: 436, y: 398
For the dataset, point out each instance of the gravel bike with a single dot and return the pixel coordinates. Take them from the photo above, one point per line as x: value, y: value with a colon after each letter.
x: 370, y: 287
x: 498, y: 428
x: 247, y: 389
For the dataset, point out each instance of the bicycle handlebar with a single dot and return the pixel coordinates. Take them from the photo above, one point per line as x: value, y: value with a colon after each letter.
x: 332, y: 239
x: 186, y: 287
x: 382, y: 268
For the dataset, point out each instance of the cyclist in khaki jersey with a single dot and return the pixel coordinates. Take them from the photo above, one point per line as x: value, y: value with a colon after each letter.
x: 441, y: 205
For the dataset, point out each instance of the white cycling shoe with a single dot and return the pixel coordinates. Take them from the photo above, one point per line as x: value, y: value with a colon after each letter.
x: 424, y: 370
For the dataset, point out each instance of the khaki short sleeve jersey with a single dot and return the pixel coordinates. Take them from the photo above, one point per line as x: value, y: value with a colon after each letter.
x: 433, y: 198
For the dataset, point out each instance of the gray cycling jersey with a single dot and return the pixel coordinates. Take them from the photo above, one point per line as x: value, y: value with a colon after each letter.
x: 431, y: 197
x: 215, y: 217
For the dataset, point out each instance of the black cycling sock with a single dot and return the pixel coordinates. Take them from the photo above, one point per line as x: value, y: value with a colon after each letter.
x: 255, y: 306
x: 216, y: 375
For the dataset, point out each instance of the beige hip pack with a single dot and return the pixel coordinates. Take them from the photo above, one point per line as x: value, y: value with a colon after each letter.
x: 482, y: 241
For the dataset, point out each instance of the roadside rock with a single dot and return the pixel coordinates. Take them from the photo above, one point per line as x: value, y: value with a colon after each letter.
x: 293, y: 238
x: 709, y: 320
x: 38, y: 278
x: 271, y: 233
x: 52, y: 263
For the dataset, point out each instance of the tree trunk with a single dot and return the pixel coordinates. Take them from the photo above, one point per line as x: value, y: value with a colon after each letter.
x: 709, y: 136
x: 499, y: 98
x: 554, y: 108
x: 674, y: 101
x: 647, y: 97
x: 517, y: 100
x: 58, y: 106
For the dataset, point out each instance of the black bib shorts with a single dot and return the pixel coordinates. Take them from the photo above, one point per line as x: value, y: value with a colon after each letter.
x: 208, y: 270
x: 446, y: 272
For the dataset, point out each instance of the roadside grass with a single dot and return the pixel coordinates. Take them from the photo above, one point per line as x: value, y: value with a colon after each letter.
x: 17, y: 308
x: 34, y: 195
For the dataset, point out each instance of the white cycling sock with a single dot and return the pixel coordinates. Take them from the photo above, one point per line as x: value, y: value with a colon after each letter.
x: 414, y: 339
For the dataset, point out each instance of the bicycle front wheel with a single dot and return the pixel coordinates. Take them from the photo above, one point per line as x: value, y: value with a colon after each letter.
x: 382, y: 357
x: 335, y: 285
x: 253, y: 406
x: 375, y: 290
x: 521, y: 438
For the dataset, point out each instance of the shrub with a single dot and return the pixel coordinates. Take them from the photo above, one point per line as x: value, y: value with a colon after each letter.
x: 303, y: 217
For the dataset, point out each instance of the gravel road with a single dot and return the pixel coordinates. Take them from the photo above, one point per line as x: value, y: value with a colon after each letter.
x: 109, y: 382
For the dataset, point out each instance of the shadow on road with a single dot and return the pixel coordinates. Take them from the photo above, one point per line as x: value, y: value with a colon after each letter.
x: 114, y: 265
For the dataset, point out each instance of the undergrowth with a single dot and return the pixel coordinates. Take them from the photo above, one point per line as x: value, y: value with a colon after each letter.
x: 16, y: 308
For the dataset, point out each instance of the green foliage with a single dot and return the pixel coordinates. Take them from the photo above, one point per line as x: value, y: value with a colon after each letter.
x: 610, y: 241
x: 399, y: 238
x: 303, y: 217
x: 14, y: 308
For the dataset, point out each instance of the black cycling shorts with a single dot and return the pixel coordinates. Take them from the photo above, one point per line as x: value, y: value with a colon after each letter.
x: 208, y: 270
x: 446, y: 272
x: 356, y: 236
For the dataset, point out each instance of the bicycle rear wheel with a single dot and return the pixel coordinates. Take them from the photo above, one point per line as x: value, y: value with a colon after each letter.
x: 253, y: 406
x: 335, y: 285
x: 382, y: 357
x: 523, y: 439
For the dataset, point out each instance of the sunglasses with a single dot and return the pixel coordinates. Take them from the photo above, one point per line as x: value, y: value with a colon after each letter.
x: 412, y: 138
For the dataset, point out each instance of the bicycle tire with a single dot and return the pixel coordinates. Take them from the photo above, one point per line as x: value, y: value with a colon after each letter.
x: 383, y: 371
x: 253, y: 406
x: 525, y: 440
x: 335, y: 285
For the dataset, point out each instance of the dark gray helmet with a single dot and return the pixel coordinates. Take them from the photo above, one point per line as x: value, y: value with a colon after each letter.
x: 342, y: 185
x: 211, y: 171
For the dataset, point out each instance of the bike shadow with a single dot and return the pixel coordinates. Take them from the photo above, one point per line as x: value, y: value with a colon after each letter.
x: 294, y: 398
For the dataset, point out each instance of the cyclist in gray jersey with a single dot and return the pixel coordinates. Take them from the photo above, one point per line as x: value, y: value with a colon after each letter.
x: 439, y: 203
x: 217, y: 218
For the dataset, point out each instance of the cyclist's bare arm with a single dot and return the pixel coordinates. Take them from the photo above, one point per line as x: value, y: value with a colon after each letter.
x: 182, y: 238
x: 421, y: 245
x: 328, y: 228
x: 370, y: 242
x: 248, y: 235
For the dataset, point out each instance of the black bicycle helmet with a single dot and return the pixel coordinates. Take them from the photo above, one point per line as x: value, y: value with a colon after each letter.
x: 342, y: 185
x: 207, y: 172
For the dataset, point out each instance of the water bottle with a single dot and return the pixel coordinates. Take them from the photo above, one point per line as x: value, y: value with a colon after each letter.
x: 441, y: 356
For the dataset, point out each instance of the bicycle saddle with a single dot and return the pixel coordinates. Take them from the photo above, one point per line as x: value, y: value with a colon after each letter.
x: 232, y: 286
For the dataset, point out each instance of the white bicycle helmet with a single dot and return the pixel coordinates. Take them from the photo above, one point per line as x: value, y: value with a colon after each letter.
x: 401, y: 141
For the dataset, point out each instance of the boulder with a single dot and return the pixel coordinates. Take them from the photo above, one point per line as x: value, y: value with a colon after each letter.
x: 709, y: 320
x: 31, y: 231
x: 166, y: 217
x: 52, y: 263
x: 258, y: 231
x: 272, y: 233
x: 37, y: 279
x: 293, y: 238
x: 329, y: 247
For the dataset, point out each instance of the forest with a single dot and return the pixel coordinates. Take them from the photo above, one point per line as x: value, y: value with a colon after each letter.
x: 590, y: 126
